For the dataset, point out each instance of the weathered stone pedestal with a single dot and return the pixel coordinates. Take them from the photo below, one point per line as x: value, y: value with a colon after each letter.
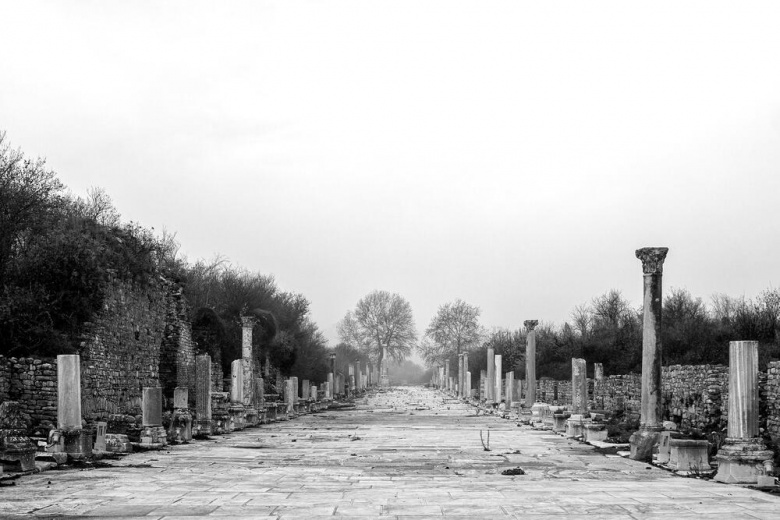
x: 574, y: 426
x: 220, y: 417
x: 559, y: 422
x: 537, y: 411
x: 16, y: 449
x: 181, y: 422
x: 689, y: 455
x: 743, y: 458
x: 595, y: 432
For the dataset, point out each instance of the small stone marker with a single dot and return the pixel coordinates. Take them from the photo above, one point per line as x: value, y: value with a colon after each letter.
x: 100, y: 439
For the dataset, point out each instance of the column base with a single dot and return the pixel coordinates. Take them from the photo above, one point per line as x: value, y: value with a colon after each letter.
x: 202, y: 428
x: 181, y: 426
x: 17, y: 449
x: 643, y: 441
x: 237, y: 417
x: 153, y: 438
x: 78, y: 443
x: 742, y: 461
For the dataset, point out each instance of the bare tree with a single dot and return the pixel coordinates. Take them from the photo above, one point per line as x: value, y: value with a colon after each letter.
x: 381, y: 324
x: 29, y: 193
x: 453, y: 329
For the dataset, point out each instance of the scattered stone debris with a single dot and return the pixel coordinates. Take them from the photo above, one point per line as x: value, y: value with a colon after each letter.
x: 514, y: 471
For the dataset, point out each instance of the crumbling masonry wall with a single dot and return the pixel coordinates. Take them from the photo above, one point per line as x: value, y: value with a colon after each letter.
x: 121, y: 352
x: 32, y: 382
x: 694, y: 396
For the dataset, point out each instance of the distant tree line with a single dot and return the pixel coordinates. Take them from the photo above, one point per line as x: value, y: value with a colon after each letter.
x: 59, y: 254
x: 608, y: 330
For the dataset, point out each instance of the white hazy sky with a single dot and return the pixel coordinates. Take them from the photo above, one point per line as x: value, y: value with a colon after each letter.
x: 511, y: 154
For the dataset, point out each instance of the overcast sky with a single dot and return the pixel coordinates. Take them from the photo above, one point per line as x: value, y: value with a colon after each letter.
x: 511, y: 154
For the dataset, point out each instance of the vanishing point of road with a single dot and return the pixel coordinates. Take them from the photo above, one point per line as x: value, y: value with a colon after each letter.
x: 406, y: 453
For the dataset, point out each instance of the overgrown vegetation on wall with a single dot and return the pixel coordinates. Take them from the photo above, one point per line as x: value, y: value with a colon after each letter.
x: 61, y: 257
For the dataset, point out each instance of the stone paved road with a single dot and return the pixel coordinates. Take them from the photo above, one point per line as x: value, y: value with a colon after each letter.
x: 409, y: 453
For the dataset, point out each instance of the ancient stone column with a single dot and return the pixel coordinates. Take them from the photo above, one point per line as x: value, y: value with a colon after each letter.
x: 490, y: 385
x: 68, y: 392
x: 483, y: 385
x: 329, y: 387
x: 497, y: 383
x: 744, y: 456
x: 77, y: 441
x: 237, y: 382
x: 305, y: 392
x: 289, y: 395
x: 530, y: 362
x: 152, y: 406
x: 651, y: 408
x: 598, y: 385
x: 332, y: 376
x: 203, y: 424
x: 247, y: 360
x: 459, y: 386
x: 579, y: 386
x: 510, y: 385
x: 466, y: 384
x: 447, y: 375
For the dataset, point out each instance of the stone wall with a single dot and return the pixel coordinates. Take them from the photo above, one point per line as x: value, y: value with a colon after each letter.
x: 770, y: 397
x: 696, y: 396
x: 33, y: 383
x: 5, y: 378
x: 177, y: 354
x: 553, y: 392
x: 693, y: 396
x: 120, y: 353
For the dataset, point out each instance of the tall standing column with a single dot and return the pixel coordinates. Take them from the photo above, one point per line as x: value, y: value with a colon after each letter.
x: 598, y: 385
x: 651, y: 408
x: 460, y: 376
x: 203, y: 424
x: 447, y: 375
x: 499, y: 377
x: 332, y: 377
x: 744, y: 456
x: 466, y: 381
x: 530, y: 362
x: 510, y: 385
x: 77, y: 440
x: 247, y: 360
x: 491, y: 376
x: 579, y: 386
x: 68, y: 392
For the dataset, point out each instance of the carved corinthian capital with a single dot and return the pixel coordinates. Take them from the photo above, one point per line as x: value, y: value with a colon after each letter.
x: 530, y: 324
x: 652, y: 259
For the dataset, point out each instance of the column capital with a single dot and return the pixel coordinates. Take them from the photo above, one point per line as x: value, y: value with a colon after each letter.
x: 247, y: 321
x: 531, y: 324
x: 652, y: 259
